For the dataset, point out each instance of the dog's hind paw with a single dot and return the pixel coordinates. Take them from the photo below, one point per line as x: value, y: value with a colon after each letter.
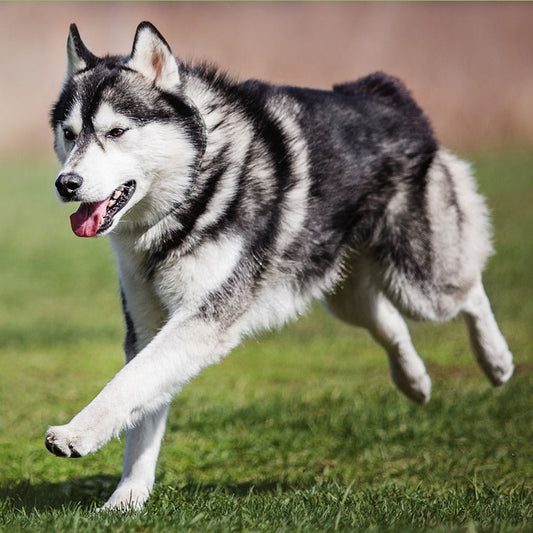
x: 499, y: 369
x: 61, y: 442
x: 416, y: 386
x: 419, y: 390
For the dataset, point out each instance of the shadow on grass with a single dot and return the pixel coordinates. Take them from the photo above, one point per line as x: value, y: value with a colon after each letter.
x: 91, y: 492
x: 84, y: 492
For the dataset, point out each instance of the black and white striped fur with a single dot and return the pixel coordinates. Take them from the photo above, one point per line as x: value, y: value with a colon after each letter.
x: 241, y: 202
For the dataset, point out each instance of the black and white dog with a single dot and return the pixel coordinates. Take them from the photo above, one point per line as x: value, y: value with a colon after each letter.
x: 230, y: 206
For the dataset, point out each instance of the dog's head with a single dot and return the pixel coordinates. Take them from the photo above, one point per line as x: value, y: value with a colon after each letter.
x: 128, y: 138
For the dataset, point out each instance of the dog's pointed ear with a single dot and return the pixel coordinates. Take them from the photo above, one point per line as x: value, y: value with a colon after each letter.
x: 151, y: 56
x: 78, y: 56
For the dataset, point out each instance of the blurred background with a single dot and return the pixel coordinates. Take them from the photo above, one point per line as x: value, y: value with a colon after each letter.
x: 470, y: 65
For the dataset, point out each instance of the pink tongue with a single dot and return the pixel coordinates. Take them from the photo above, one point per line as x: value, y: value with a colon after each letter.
x: 86, y: 219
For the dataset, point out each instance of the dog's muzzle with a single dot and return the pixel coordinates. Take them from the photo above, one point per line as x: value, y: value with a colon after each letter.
x: 67, y: 184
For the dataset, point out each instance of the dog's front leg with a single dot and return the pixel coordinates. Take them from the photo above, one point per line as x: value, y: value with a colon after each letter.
x: 140, y: 458
x: 143, y: 441
x: 144, y: 386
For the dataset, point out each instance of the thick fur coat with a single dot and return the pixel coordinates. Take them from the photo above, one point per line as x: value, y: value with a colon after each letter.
x: 230, y: 206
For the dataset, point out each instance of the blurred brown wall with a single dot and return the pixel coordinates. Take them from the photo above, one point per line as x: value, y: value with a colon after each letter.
x: 470, y: 65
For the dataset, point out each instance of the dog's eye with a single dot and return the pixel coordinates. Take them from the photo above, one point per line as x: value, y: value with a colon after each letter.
x: 69, y: 134
x: 115, y: 132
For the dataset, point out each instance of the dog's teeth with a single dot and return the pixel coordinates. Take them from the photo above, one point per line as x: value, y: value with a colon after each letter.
x: 116, y: 194
x: 111, y: 203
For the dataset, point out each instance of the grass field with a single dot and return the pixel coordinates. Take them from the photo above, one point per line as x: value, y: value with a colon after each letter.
x: 299, y: 430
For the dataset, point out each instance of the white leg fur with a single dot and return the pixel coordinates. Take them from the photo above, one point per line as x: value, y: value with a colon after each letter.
x: 144, y: 386
x: 140, y: 457
x: 143, y: 440
x: 360, y: 303
x: 487, y: 342
x: 406, y: 367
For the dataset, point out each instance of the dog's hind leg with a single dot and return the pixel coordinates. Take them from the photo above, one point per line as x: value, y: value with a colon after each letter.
x: 360, y: 303
x: 406, y: 367
x: 487, y: 342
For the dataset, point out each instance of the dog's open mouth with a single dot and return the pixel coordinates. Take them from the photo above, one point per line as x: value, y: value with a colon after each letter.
x: 96, y: 217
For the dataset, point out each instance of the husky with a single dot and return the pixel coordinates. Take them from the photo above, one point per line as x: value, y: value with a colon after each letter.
x: 231, y: 205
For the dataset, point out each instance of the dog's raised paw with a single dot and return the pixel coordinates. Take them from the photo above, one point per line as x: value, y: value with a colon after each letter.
x: 58, y: 442
x: 412, y: 379
x: 499, y: 369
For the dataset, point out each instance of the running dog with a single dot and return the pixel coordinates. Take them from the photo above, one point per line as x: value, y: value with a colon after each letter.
x: 231, y: 205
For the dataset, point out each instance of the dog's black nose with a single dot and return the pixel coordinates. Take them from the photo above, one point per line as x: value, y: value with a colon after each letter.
x: 67, y: 184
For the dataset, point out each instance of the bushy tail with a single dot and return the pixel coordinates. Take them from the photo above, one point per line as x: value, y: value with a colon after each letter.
x: 387, y: 88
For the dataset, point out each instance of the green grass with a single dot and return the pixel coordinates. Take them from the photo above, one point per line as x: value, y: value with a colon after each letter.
x: 299, y: 430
